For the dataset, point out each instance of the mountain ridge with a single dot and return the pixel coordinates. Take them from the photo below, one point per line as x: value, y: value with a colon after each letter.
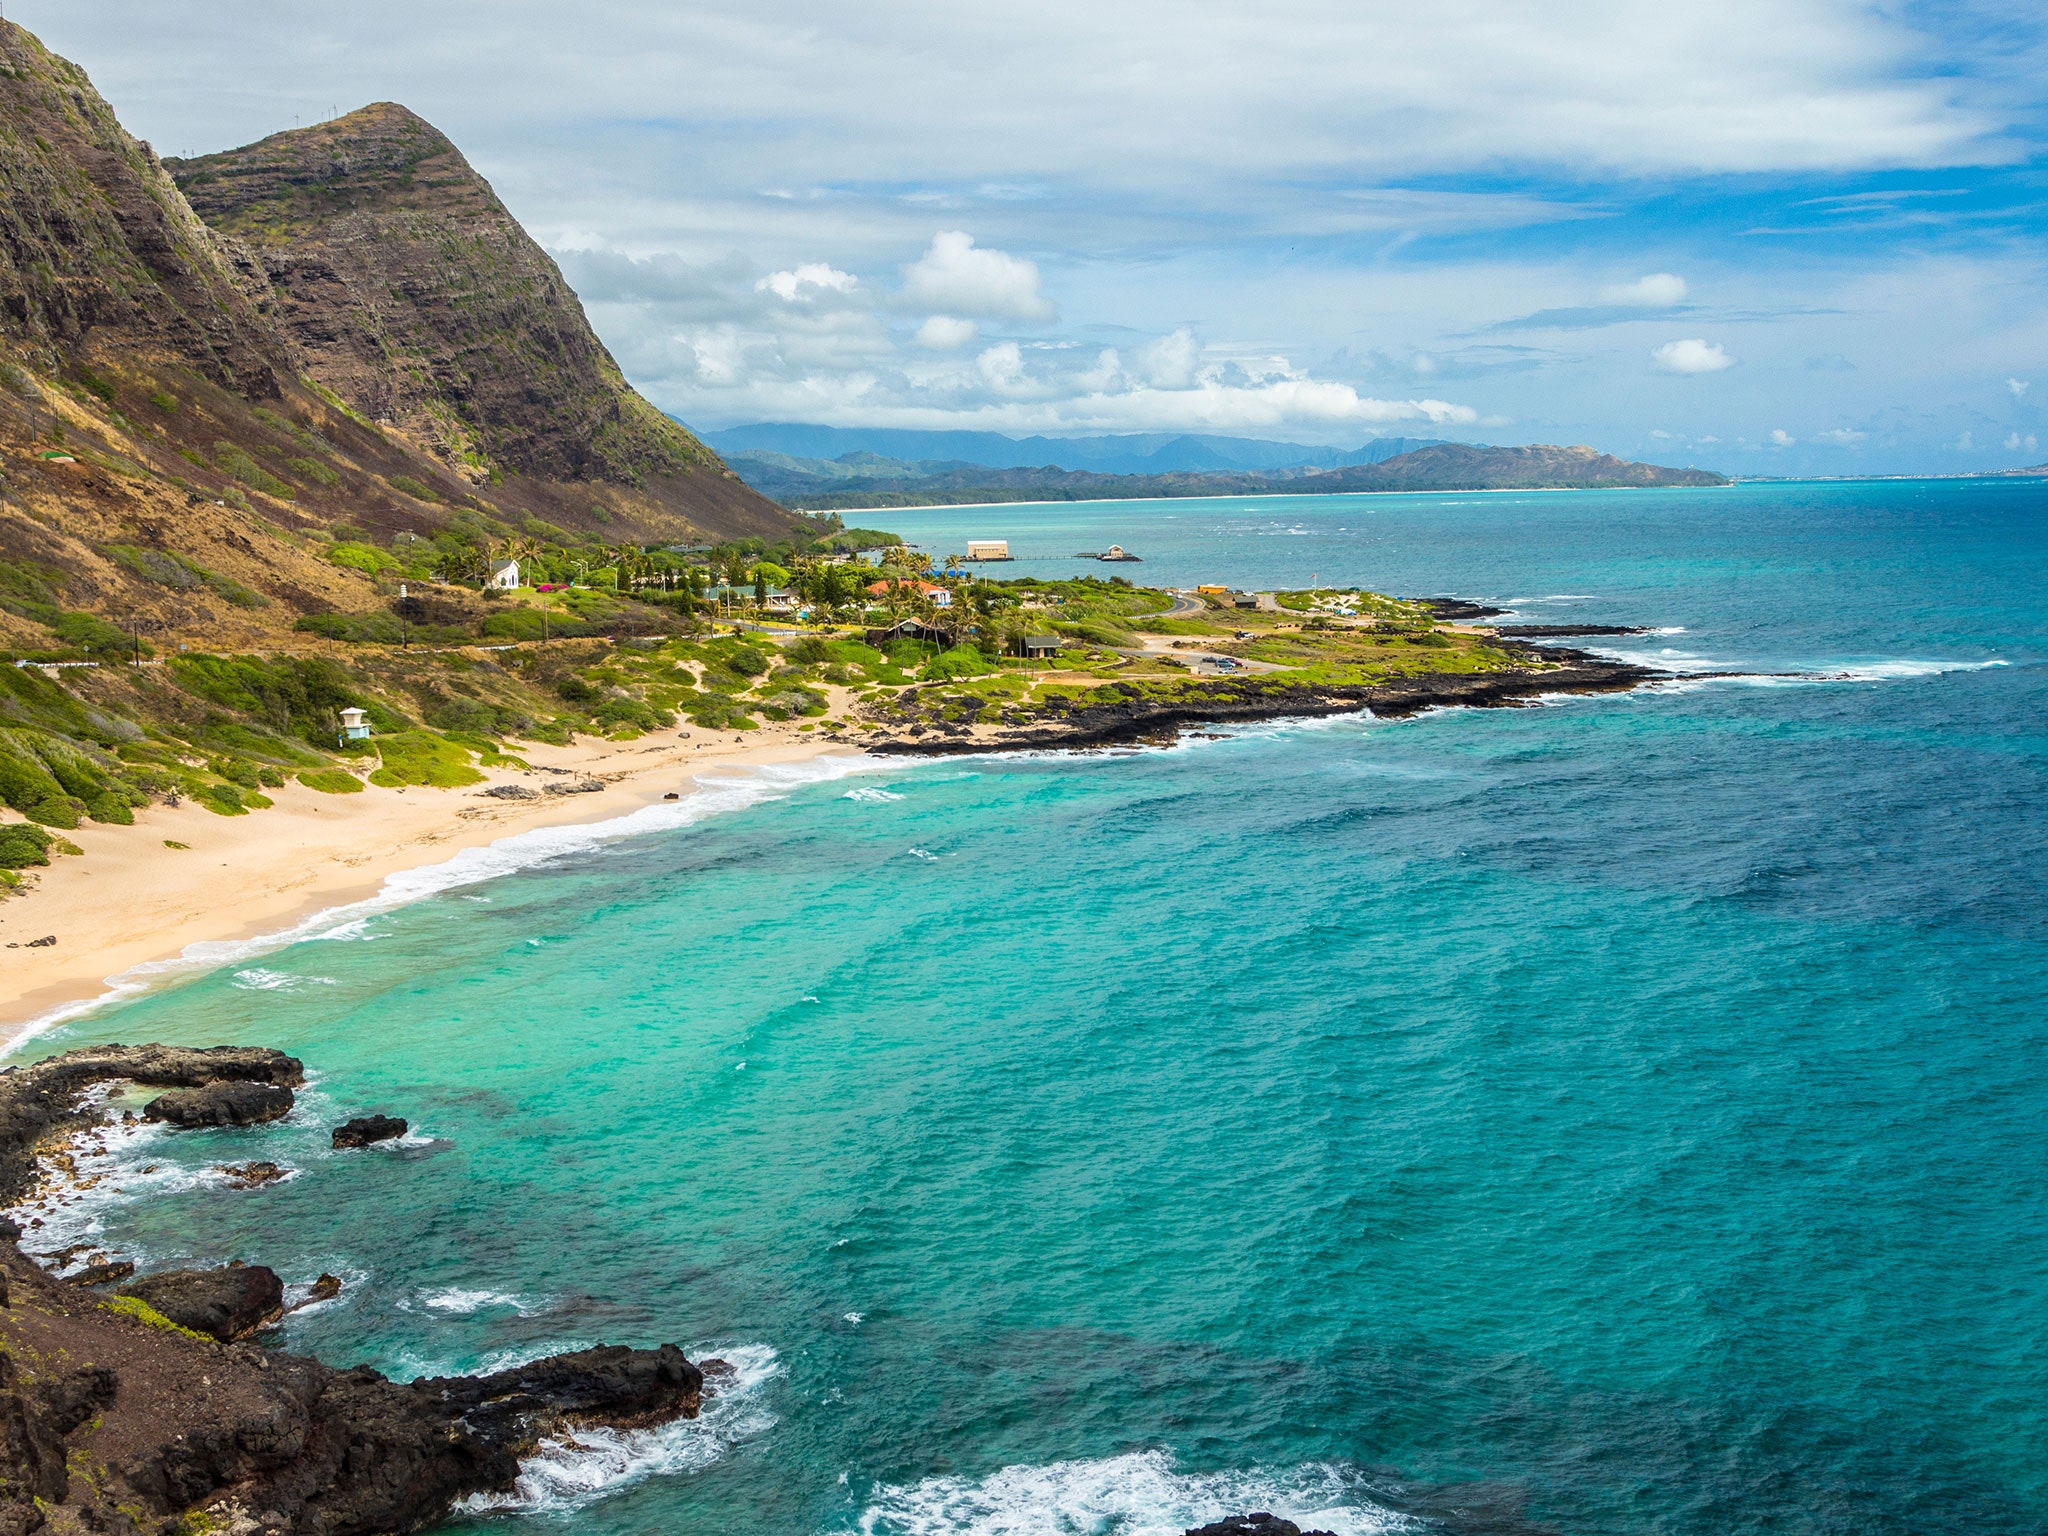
x: 1111, y: 453
x: 867, y: 480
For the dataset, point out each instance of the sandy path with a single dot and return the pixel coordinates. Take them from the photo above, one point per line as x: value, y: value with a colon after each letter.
x: 132, y: 900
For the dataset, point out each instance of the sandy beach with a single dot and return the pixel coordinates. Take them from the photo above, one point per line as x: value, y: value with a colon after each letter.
x: 133, y: 899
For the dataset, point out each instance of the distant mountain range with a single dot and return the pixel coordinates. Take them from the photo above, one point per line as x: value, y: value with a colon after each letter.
x: 1130, y: 453
x: 868, y: 479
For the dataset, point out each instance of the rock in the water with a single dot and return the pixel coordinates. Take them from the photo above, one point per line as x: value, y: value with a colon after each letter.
x: 249, y: 1175
x: 1260, y: 1524
x: 364, y: 1129
x: 228, y: 1303
x: 326, y: 1288
x: 221, y: 1104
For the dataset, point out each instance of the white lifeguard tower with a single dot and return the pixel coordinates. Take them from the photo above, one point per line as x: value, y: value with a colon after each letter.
x: 353, y: 726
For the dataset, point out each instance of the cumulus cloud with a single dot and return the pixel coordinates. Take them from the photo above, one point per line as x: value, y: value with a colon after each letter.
x: 1692, y: 355
x: 2018, y: 387
x: 807, y: 281
x: 957, y: 277
x: 1842, y: 437
x: 2014, y: 442
x: 1780, y: 438
x: 1659, y: 290
x: 946, y: 333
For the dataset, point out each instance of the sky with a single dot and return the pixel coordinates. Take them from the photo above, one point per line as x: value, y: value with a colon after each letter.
x: 1762, y: 236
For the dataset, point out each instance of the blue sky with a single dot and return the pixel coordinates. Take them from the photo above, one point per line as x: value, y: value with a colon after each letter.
x: 1802, y: 236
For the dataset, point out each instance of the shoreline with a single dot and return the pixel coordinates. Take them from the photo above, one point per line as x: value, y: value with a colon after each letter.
x: 136, y: 913
x: 251, y: 883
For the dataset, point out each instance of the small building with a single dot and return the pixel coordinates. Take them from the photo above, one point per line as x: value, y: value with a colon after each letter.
x: 908, y: 629
x: 504, y: 575
x: 988, y: 549
x: 1038, y: 647
x: 1245, y: 599
x: 941, y: 597
x: 353, y: 726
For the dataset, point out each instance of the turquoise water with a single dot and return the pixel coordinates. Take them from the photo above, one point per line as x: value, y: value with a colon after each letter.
x: 1623, y: 1115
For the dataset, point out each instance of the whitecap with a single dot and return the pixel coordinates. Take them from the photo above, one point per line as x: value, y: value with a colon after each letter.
x: 870, y: 795
x: 929, y: 858
x: 577, y: 1468
x: 462, y: 1301
x: 258, y: 980
x: 1137, y: 1494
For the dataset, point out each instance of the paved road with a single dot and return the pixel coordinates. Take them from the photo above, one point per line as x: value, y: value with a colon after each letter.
x: 1185, y: 604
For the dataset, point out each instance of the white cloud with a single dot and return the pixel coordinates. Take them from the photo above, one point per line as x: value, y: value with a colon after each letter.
x: 1780, y: 438
x: 2014, y: 442
x: 1692, y: 355
x: 1967, y: 443
x: 1169, y: 362
x: 2018, y: 387
x: 1842, y: 437
x: 946, y: 333
x: 957, y: 277
x: 1659, y: 290
x: 807, y: 281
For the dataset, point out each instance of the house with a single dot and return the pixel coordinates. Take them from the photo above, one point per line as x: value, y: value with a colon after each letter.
x: 353, y: 726
x: 988, y: 549
x: 941, y: 597
x: 1245, y: 599
x: 908, y: 629
x: 1038, y: 647
x: 504, y: 575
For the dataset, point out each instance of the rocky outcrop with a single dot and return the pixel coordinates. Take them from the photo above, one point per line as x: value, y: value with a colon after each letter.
x: 172, y: 1429
x: 184, y: 1433
x: 47, y: 1097
x: 1261, y: 1524
x: 1142, y: 714
x: 221, y: 1104
x: 227, y: 1304
x: 366, y: 1129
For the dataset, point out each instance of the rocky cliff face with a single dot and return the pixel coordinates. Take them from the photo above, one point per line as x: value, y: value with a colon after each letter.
x: 170, y: 451
x: 100, y: 255
x: 412, y: 293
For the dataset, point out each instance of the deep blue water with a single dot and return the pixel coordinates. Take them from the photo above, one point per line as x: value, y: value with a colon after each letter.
x: 1624, y: 1115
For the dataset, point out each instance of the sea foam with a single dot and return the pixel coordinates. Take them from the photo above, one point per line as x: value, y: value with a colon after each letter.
x: 1138, y: 1494
x: 582, y: 1466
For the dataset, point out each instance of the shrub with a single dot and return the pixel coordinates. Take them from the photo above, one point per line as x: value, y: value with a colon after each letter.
x: 421, y: 757
x: 331, y: 781
x: 417, y: 490
x: 234, y: 461
x: 23, y: 844
x: 223, y: 800
x: 367, y: 558
x: 164, y: 401
x: 89, y: 632
x: 143, y: 1312
x: 313, y: 470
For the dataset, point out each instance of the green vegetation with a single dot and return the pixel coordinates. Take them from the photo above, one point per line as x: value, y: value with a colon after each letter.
x: 23, y: 844
x: 236, y: 463
x: 331, y: 781
x: 421, y: 757
x: 418, y: 490
x: 165, y: 569
x: 143, y: 1312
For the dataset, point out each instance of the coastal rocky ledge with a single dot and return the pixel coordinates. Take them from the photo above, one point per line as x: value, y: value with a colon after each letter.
x: 1261, y: 1524
x: 1138, y: 717
x: 122, y: 1416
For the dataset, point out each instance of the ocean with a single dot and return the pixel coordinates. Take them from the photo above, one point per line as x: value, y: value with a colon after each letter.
x: 1619, y: 1115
